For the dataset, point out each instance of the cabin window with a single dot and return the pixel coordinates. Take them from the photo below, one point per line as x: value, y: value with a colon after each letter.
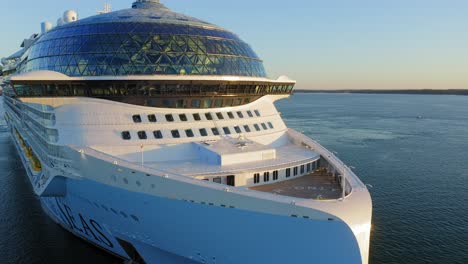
x: 237, y: 129
x: 270, y: 125
x: 167, y: 103
x: 257, y: 113
x: 203, y: 132
x: 206, y: 103
x: 257, y: 127
x: 195, y: 103
x: 170, y: 118
x: 126, y: 135
x: 217, y: 180
x: 175, y: 133
x: 256, y: 177
x: 295, y: 171
x: 189, y: 133
x: 308, y: 167
x: 196, y: 117
x: 266, y: 176
x: 152, y: 118
x: 181, y: 104
x: 226, y: 130
x: 208, y: 116
x: 158, y: 134
x: 288, y: 172
x: 220, y: 116
x: 240, y: 114
x: 136, y: 118
x: 249, y: 113
x: 264, y: 126
x: 183, y: 117
x: 247, y: 128
x: 302, y: 169
x: 275, y: 175
x: 231, y: 115
x: 218, y: 103
x: 142, y: 135
x: 215, y: 131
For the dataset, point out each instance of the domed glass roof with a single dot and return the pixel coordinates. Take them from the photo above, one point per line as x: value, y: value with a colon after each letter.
x: 144, y: 40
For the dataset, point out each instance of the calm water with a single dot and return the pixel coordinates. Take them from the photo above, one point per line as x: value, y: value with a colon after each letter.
x: 413, y: 150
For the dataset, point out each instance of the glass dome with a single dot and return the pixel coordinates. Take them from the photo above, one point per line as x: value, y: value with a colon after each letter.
x: 144, y: 40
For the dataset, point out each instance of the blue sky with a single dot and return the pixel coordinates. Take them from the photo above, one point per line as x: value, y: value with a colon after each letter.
x: 323, y: 44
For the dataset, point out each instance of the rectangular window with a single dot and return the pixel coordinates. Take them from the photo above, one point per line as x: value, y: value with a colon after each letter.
x: 195, y: 103
x: 270, y: 125
x: 247, y: 128
x: 288, y: 172
x: 196, y: 117
x: 158, y: 134
x: 203, y: 132
x: 217, y: 180
x: 226, y: 130
x: 249, y: 113
x: 237, y: 129
x: 206, y: 103
x: 167, y: 103
x: 181, y: 104
x: 215, y: 131
x: 208, y: 116
x: 256, y: 177
x: 257, y: 113
x: 275, y: 175
x: 295, y: 170
x: 266, y: 176
x: 257, y: 127
x: 152, y: 118
x: 142, y: 135
x: 302, y: 169
x: 175, y: 133
x: 136, y: 118
x: 126, y: 135
x: 228, y: 102
x: 189, y: 133
x: 231, y: 115
x: 183, y: 117
x: 218, y: 103
x: 264, y: 126
x: 308, y: 167
x: 240, y: 115
x: 220, y: 116
x: 170, y: 118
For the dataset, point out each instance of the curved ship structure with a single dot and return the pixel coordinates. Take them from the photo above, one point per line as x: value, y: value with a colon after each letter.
x: 154, y: 136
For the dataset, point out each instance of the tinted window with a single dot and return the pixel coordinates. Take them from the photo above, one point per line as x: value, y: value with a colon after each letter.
x: 208, y: 116
x: 136, y: 118
x: 231, y: 115
x: 183, y: 117
x: 302, y: 169
x: 169, y: 118
x: 152, y: 118
x: 275, y: 175
x: 249, y: 113
x: 257, y: 113
x: 226, y: 130
x: 126, y: 135
x: 295, y: 171
x: 247, y: 128
x: 237, y: 129
x: 157, y: 134
x: 181, y: 104
x: 288, y: 172
x: 270, y: 125
x: 218, y: 103
x: 142, y: 135
x: 196, y: 117
x: 264, y: 126
x: 189, y: 133
x: 266, y: 176
x: 257, y: 127
x: 256, y: 177
x: 195, y: 103
x: 206, y: 103
x: 175, y: 133
x: 215, y: 131
x: 203, y: 132
x: 220, y: 116
x: 240, y: 114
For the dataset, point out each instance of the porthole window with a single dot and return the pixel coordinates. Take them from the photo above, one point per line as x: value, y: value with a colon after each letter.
x: 196, y: 117
x: 270, y: 125
x: 240, y: 114
x: 170, y: 118
x: 220, y: 116
x: 183, y: 117
x: 247, y: 128
x: 266, y: 176
x: 264, y: 126
x: 136, y: 118
x: 231, y: 115
x: 257, y: 127
x: 203, y: 132
x: 126, y: 135
x: 215, y: 131
x: 189, y: 133
x: 226, y: 130
x: 288, y: 172
x: 257, y: 113
x: 209, y: 116
x: 152, y: 118
x: 249, y: 113
x: 142, y: 135
x: 175, y: 133
x: 237, y: 129
x: 158, y: 134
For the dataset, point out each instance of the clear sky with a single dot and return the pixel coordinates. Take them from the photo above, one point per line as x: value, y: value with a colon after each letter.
x: 323, y: 44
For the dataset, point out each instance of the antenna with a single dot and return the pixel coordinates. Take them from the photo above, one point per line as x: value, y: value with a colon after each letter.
x: 107, y: 9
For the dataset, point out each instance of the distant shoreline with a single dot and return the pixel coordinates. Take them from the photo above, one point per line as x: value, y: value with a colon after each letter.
x: 426, y: 91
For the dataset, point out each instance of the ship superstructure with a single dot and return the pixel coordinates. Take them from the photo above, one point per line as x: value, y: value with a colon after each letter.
x: 154, y: 136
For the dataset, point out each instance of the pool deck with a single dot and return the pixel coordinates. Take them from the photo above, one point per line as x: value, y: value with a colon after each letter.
x: 317, y: 185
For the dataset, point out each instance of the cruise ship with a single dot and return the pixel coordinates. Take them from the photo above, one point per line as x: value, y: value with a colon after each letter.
x: 154, y: 136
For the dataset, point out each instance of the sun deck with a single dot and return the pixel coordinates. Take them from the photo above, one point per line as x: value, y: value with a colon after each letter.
x: 318, y: 185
